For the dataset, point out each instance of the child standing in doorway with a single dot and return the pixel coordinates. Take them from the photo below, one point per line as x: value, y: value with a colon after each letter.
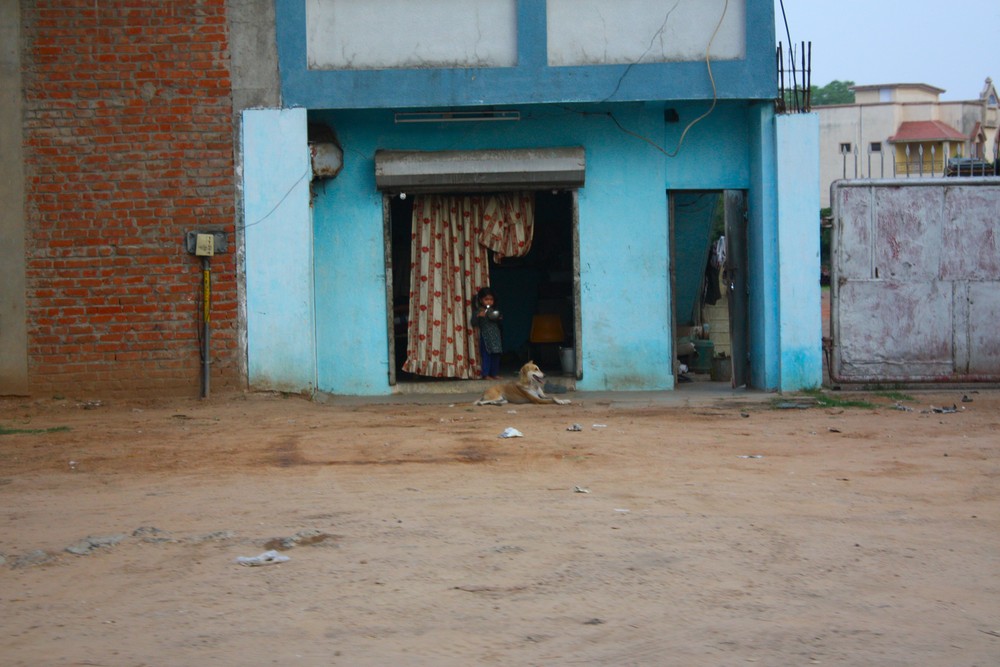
x: 486, y: 320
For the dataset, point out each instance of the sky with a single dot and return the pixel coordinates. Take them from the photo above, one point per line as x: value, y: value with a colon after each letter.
x: 950, y: 44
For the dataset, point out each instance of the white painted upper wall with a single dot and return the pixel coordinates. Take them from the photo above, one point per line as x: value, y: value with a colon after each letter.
x: 412, y: 34
x: 388, y: 34
x: 603, y: 32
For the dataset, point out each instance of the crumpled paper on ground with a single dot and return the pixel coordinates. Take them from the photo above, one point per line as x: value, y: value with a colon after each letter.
x: 266, y: 558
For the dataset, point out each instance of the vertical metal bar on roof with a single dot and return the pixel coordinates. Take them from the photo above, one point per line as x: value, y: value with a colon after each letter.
x: 781, y: 79
x: 808, y: 73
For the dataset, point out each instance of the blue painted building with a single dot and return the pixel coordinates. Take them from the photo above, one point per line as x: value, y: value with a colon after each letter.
x: 622, y: 128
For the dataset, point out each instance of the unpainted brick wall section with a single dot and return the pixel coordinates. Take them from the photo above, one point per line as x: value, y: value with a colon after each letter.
x: 128, y: 145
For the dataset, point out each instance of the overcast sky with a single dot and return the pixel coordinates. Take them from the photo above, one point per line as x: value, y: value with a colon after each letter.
x: 953, y: 44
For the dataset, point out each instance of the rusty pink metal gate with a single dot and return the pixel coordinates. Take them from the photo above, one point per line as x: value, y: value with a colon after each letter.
x: 915, y: 289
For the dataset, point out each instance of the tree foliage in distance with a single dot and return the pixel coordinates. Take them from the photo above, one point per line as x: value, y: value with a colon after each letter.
x: 835, y: 92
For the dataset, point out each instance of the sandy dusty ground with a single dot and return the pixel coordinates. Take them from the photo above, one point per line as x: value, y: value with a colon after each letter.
x: 725, y: 531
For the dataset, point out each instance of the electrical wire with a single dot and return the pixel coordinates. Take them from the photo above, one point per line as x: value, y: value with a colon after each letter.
x: 280, y: 202
x: 643, y: 54
x: 788, y: 34
x: 791, y: 51
x: 711, y: 78
x: 715, y: 97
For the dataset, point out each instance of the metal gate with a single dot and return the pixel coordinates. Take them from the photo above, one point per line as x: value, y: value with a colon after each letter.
x: 915, y: 289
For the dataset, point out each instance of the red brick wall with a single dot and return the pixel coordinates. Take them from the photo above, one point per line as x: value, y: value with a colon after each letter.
x: 128, y: 145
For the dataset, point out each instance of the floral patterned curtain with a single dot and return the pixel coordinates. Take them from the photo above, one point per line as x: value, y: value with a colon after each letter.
x: 508, y: 224
x: 449, y: 262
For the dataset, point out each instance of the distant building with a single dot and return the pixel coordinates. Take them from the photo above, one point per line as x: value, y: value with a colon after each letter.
x: 902, y: 130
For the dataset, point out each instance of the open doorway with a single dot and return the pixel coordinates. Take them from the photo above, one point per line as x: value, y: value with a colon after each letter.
x: 536, y: 292
x: 708, y: 283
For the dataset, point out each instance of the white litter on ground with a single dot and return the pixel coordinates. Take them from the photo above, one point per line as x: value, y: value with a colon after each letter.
x: 266, y: 558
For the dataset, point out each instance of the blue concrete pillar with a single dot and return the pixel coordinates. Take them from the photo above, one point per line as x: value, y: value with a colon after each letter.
x: 277, y: 243
x: 800, y: 327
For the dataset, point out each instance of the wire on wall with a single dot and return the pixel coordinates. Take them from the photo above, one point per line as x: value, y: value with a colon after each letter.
x: 711, y: 78
x: 649, y: 48
x: 280, y: 202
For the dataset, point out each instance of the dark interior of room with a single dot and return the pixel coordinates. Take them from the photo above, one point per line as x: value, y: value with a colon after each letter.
x: 535, y: 292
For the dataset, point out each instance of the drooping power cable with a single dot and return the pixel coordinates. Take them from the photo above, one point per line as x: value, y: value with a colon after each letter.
x: 711, y: 78
x: 715, y: 97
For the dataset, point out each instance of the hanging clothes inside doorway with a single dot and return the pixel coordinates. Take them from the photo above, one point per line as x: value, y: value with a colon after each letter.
x: 449, y: 262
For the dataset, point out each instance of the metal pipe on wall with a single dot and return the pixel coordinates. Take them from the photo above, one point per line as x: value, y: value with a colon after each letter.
x: 206, y: 298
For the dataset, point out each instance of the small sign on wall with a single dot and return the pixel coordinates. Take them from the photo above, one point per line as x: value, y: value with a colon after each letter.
x: 205, y: 243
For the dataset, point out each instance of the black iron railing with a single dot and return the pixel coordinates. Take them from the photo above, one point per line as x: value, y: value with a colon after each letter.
x: 794, y: 79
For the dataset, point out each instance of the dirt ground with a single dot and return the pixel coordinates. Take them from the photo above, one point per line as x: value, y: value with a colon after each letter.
x: 730, y: 530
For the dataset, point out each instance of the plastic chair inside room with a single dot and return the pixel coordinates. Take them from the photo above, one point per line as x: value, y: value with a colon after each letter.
x: 547, y: 328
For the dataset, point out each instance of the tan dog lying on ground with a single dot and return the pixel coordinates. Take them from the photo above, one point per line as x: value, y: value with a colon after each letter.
x: 527, y: 389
